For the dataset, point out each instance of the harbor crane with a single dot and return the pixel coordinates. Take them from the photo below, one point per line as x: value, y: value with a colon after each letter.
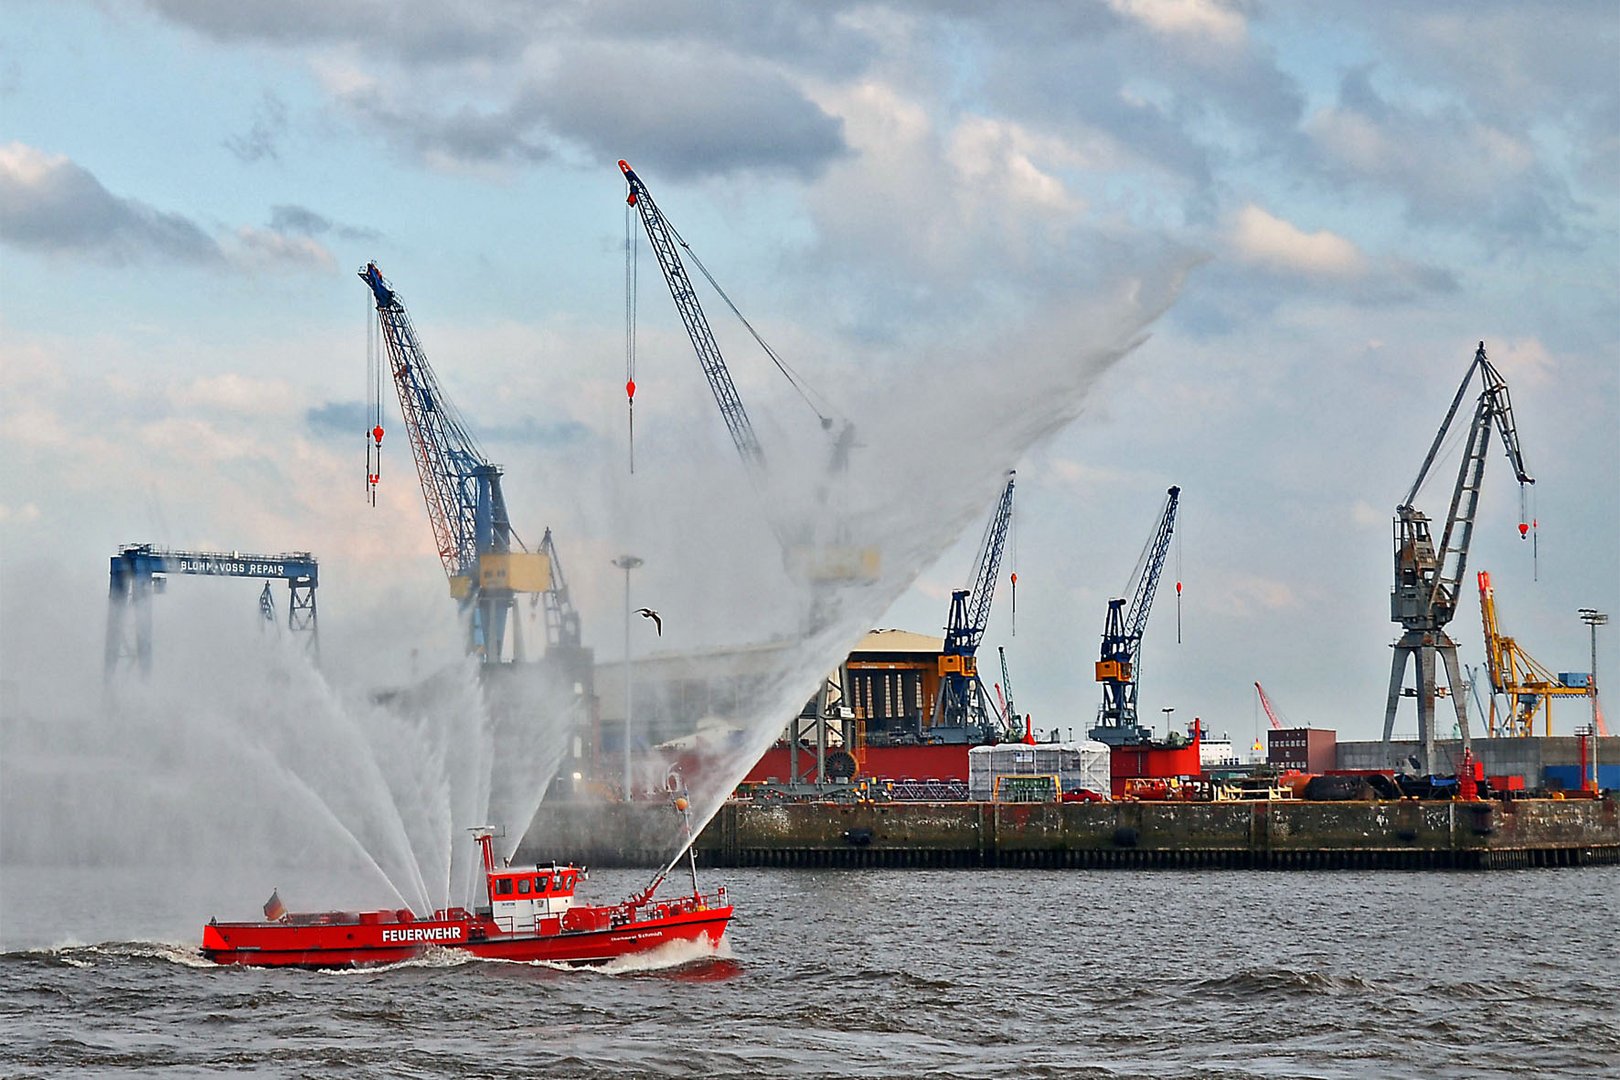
x: 562, y: 621
x: 821, y: 561
x: 1428, y: 579
x: 961, y: 707
x: 462, y: 490
x: 1527, y: 685
x: 1271, y: 712
x: 1118, y: 669
x: 138, y: 571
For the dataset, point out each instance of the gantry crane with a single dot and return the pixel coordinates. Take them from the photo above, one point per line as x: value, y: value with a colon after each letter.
x: 1119, y: 667
x: 1428, y: 579
x: 822, y: 561
x: 1516, y: 675
x: 960, y: 708
x: 462, y: 490
x: 140, y: 570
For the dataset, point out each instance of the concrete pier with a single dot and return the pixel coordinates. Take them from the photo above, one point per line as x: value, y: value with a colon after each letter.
x: 1282, y: 835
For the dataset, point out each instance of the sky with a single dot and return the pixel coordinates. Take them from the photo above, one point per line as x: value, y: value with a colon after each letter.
x: 1332, y: 204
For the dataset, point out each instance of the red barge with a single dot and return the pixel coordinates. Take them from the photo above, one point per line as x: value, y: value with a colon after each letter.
x: 532, y: 915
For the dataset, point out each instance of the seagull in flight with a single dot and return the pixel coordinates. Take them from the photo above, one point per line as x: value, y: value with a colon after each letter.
x: 649, y: 613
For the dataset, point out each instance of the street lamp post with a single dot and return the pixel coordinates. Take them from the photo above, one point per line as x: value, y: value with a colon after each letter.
x: 1594, y: 619
x: 627, y: 563
x: 1167, y: 710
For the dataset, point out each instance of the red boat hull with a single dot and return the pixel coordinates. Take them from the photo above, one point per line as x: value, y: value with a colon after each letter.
x: 366, y: 941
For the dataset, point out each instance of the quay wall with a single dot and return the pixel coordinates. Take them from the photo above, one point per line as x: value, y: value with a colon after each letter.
x: 1272, y: 835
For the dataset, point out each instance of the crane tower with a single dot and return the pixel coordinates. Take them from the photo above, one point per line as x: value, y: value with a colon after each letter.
x: 961, y: 701
x: 462, y: 490
x: 1428, y: 579
x: 1117, y: 669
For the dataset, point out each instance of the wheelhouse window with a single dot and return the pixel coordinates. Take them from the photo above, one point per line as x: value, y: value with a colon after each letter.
x: 523, y: 886
x: 503, y: 886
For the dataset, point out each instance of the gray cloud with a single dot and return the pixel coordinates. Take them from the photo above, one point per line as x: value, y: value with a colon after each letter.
x: 701, y: 90
x: 532, y: 432
x: 351, y: 420
x: 463, y: 135
x: 1451, y: 168
x: 814, y: 37
x: 686, y: 113
x: 1515, y: 63
x: 339, y: 419
x: 301, y: 221
x: 259, y: 142
x: 409, y: 29
x: 1182, y: 105
x: 49, y: 203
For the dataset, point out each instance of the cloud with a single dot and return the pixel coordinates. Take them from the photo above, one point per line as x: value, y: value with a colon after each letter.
x: 1204, y: 20
x: 50, y: 204
x: 1264, y: 240
x: 1366, y: 515
x: 414, y: 29
x: 301, y: 221
x: 269, y: 124
x: 232, y: 392
x: 1527, y: 358
x: 459, y: 137
x: 686, y: 112
x: 679, y: 112
x: 1450, y: 168
x: 534, y: 433
x: 268, y: 249
x: 346, y: 419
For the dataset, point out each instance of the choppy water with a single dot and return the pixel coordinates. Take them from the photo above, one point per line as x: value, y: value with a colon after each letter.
x: 968, y: 974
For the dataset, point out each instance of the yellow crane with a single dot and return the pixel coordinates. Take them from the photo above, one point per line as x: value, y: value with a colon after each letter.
x: 1528, y: 686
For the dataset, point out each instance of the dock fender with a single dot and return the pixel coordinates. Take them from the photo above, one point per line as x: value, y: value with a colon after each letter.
x: 1126, y: 837
x: 858, y: 837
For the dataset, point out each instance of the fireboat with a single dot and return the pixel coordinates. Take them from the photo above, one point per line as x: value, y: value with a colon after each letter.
x: 532, y: 915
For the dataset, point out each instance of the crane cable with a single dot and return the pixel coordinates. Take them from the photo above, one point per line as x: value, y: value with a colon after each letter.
x: 374, y: 401
x: 1448, y: 450
x: 794, y: 379
x: 631, y: 249
x: 1013, y: 576
x: 1178, y: 580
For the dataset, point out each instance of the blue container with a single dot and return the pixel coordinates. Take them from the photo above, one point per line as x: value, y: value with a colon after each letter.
x: 1581, y: 679
x: 1568, y: 777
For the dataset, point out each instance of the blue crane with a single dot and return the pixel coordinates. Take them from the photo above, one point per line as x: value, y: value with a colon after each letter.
x: 462, y: 490
x: 1119, y: 667
x: 960, y: 713
x: 140, y: 570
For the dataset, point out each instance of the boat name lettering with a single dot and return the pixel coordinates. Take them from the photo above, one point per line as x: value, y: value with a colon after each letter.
x: 424, y: 933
